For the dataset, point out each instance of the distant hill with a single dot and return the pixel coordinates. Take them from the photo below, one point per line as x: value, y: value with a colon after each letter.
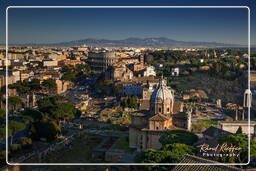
x: 136, y: 42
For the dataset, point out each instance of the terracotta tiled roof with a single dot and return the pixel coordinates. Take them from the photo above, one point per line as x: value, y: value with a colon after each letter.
x: 195, y: 160
x: 215, y: 132
x: 159, y: 117
x: 171, y: 127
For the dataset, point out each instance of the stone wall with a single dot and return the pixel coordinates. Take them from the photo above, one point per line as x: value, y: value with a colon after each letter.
x: 133, y: 134
x: 153, y: 139
x: 233, y: 126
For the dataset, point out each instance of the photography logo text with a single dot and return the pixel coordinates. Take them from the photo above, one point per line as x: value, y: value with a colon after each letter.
x: 220, y: 150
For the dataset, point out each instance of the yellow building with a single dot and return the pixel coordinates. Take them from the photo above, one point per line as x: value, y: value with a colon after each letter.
x: 57, y: 57
x: 165, y: 114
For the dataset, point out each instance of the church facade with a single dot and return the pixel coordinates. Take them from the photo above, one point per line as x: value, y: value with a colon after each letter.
x: 164, y: 114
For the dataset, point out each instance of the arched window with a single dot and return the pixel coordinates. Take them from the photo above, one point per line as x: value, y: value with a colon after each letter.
x: 168, y: 110
x: 159, y: 109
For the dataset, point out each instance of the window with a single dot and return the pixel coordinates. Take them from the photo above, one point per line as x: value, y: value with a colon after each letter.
x: 168, y: 109
x: 159, y: 109
x: 157, y: 128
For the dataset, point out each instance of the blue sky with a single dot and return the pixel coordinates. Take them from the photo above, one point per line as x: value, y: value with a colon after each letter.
x: 57, y: 25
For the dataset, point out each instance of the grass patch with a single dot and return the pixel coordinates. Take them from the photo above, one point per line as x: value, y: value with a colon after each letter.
x: 204, y: 124
x: 123, y: 144
x: 207, y: 123
x: 80, y: 151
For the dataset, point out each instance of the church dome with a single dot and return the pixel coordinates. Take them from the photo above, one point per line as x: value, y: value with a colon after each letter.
x: 162, y: 93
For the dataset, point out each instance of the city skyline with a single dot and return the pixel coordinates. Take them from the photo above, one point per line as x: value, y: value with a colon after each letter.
x: 200, y: 25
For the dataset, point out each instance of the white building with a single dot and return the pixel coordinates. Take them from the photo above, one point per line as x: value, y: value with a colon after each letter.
x: 233, y: 126
x: 149, y: 71
x: 175, y: 71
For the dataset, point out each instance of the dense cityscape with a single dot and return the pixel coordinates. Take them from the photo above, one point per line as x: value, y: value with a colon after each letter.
x: 85, y: 104
x: 128, y: 85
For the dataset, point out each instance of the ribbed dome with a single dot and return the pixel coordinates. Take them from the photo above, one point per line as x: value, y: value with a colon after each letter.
x: 162, y: 93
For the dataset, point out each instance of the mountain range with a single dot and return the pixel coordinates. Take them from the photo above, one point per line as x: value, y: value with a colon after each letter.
x: 137, y: 42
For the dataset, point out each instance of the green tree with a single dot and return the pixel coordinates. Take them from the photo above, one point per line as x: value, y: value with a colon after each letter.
x: 33, y: 113
x: 83, y: 69
x: 34, y: 85
x: 2, y: 113
x: 14, y: 102
x: 152, y: 156
x: 62, y: 111
x: 253, y: 149
x: 50, y: 84
x: 171, y: 153
x: 177, y: 151
x: 194, y: 61
x: 68, y: 77
x: 57, y: 107
x: 15, y: 127
x: 130, y: 102
x: 21, y: 87
x: 69, y: 73
x: 238, y: 140
x: 178, y: 136
x: 48, y: 129
x: 239, y: 130
x: 45, y: 103
x: 78, y: 113
x: 2, y: 132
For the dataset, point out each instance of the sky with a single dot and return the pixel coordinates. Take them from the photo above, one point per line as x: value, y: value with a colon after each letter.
x: 43, y: 25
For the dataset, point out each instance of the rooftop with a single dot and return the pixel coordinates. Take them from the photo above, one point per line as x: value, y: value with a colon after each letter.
x: 212, y: 131
x: 195, y: 160
x: 159, y: 117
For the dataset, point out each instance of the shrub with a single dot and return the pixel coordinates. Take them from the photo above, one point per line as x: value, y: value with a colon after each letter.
x: 26, y: 142
x: 15, y: 147
x: 178, y: 136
